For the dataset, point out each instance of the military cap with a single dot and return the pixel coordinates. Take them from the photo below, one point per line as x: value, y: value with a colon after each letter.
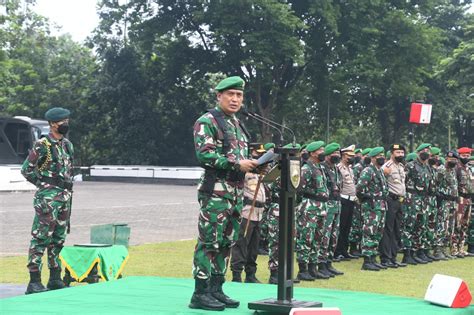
x: 453, y: 154
x: 257, y: 147
x: 443, y: 161
x: 388, y: 154
x: 236, y: 83
x: 464, y: 150
x: 435, y: 151
x: 366, y: 151
x: 268, y: 146
x: 423, y: 146
x: 397, y: 146
x: 376, y: 151
x: 313, y: 146
x: 411, y: 157
x: 357, y: 151
x: 57, y: 114
x: 331, y: 148
x: 349, y: 150
x: 291, y: 146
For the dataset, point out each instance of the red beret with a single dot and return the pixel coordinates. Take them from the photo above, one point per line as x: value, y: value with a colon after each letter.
x: 464, y: 150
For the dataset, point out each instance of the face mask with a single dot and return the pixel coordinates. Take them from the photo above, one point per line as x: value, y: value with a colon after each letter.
x: 380, y: 161
x: 464, y: 160
x: 399, y: 159
x: 438, y: 163
x: 424, y: 156
x: 321, y: 157
x: 63, y: 129
x: 451, y: 164
x: 431, y: 161
x: 367, y: 160
x: 357, y: 159
x: 305, y: 156
x: 335, y: 159
x: 350, y: 161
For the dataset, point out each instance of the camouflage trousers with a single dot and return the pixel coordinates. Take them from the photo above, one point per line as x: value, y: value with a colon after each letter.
x: 264, y: 225
x: 218, y: 225
x: 273, y: 235
x: 52, y: 207
x: 330, y: 232
x: 462, y: 218
x: 373, y: 222
x: 355, y: 235
x: 414, y: 221
x: 429, y: 234
x: 445, y: 223
x: 470, y: 235
x: 309, y: 234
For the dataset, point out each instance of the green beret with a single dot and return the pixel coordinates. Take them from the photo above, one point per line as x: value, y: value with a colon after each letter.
x: 268, y: 146
x: 291, y: 146
x: 366, y: 151
x: 435, y: 151
x: 443, y: 161
x: 388, y: 154
x: 331, y: 148
x: 236, y: 83
x: 357, y: 151
x: 423, y: 146
x: 411, y: 157
x: 376, y: 151
x: 57, y: 114
x: 313, y: 146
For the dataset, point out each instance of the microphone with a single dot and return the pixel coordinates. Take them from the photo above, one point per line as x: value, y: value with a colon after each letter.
x: 246, y: 113
x: 268, y: 122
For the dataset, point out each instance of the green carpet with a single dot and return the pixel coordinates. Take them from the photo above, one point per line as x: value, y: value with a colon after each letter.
x: 154, y: 295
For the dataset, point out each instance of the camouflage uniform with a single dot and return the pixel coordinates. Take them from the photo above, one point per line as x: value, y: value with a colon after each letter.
x: 448, y: 190
x: 417, y: 182
x: 331, y: 224
x: 220, y: 192
x: 463, y: 212
x: 311, y: 213
x: 470, y: 236
x: 429, y: 237
x: 273, y: 225
x: 372, y: 191
x: 49, y: 166
x: 355, y: 235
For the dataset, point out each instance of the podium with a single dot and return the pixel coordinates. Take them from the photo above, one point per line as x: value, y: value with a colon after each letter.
x: 289, y: 164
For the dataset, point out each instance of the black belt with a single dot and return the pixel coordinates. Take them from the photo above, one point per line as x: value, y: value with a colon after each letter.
x: 394, y: 196
x: 315, y: 197
x: 258, y: 204
x: 417, y: 192
x: 57, y: 182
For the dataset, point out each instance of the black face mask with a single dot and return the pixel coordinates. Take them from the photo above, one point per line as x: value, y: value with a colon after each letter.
x: 431, y: 161
x: 399, y: 159
x: 357, y: 159
x: 424, y: 156
x: 464, y: 160
x: 305, y: 156
x: 63, y: 129
x: 380, y: 161
x: 335, y: 159
x: 321, y: 157
x: 438, y: 162
x: 452, y: 164
x: 350, y: 161
x: 367, y: 160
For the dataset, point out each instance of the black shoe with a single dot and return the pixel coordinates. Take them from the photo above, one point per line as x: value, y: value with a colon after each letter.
x: 399, y: 264
x: 340, y: 257
x: 315, y: 273
x: 303, y: 273
x: 416, y: 257
x: 250, y: 278
x: 429, y: 256
x: 55, y: 282
x: 273, y: 277
x: 323, y: 268
x: 367, y: 265
x: 408, y: 258
x: 374, y: 262
x: 333, y: 270
x: 216, y: 291
x: 421, y: 254
x: 439, y: 255
x: 354, y: 250
x: 350, y: 256
x: 203, y: 299
x: 337, y: 258
x: 388, y: 264
x: 236, y: 276
x: 35, y: 285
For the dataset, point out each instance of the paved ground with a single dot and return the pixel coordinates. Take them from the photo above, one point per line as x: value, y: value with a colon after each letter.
x: 155, y: 213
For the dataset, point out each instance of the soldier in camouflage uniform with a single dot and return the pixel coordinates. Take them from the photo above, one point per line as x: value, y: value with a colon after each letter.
x: 331, y: 224
x: 448, y: 195
x: 463, y: 213
x: 49, y: 166
x: 355, y: 235
x: 273, y: 228
x: 221, y: 145
x: 311, y: 213
x: 418, y: 179
x: 429, y: 237
x: 470, y: 236
x: 372, y: 191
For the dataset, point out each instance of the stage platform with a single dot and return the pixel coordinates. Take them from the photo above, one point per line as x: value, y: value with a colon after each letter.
x: 155, y: 295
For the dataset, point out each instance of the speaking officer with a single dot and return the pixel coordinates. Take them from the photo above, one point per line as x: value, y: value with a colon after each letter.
x: 394, y: 172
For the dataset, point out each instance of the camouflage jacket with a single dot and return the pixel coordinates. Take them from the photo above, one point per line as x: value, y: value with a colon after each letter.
x: 372, y: 184
x: 313, y: 188
x: 49, y: 158
x: 357, y: 169
x: 463, y: 174
x: 448, y: 182
x: 333, y: 177
x: 418, y: 177
x: 434, y: 180
x: 227, y: 182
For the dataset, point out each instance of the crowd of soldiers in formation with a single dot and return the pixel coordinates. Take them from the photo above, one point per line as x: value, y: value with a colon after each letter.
x: 354, y: 203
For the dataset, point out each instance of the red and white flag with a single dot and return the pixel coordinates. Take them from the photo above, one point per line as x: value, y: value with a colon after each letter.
x: 420, y: 113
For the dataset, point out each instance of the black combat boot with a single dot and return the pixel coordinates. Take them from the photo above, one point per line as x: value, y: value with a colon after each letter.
x: 387, y: 263
x: 398, y: 263
x: 236, y: 276
x: 333, y: 270
x: 470, y: 250
x: 354, y: 250
x: 55, y: 282
x: 303, y: 274
x: 315, y: 273
x: 429, y: 256
x: 251, y: 278
x: 407, y: 258
x: 203, y: 299
x: 368, y: 265
x: 216, y: 291
x: 421, y: 254
x: 323, y: 268
x: 273, y: 277
x: 35, y: 285
x: 438, y: 254
x: 417, y: 258
x: 374, y: 262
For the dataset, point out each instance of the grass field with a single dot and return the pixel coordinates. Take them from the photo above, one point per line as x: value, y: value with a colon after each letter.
x: 175, y: 260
